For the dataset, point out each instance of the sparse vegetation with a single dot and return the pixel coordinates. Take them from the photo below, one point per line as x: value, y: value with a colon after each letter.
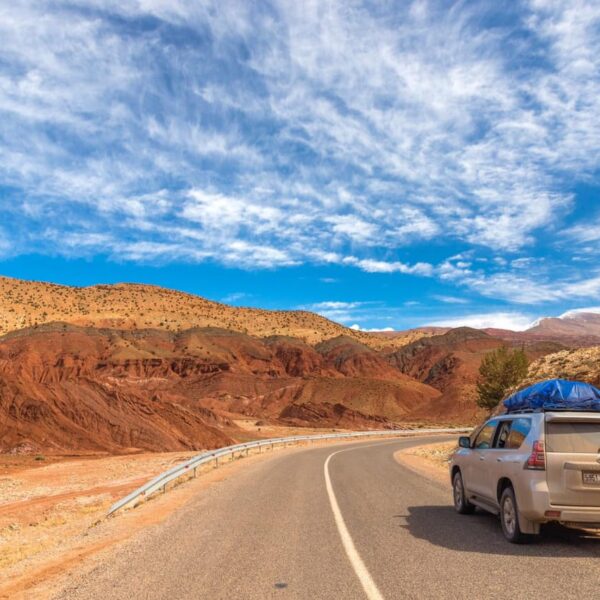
x: 582, y: 364
x: 126, y: 306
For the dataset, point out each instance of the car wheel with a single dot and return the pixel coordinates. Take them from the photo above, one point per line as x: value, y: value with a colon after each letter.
x: 509, y: 517
x: 461, y: 504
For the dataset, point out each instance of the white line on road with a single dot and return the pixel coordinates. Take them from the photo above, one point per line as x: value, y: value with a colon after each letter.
x: 353, y: 556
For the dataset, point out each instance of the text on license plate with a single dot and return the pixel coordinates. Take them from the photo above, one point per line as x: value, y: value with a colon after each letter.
x: 591, y: 478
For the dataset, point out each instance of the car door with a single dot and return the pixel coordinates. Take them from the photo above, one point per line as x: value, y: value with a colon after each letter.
x: 499, y: 458
x: 477, y: 477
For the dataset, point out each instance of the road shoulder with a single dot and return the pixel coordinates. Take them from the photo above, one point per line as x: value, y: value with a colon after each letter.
x: 428, y: 460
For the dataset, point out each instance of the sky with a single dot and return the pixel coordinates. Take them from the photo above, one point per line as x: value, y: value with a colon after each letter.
x: 386, y: 164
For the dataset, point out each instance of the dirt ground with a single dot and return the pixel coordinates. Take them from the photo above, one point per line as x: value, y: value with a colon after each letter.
x: 46, y: 502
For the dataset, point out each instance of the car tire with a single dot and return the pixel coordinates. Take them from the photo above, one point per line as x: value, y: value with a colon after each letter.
x: 509, y: 518
x: 461, y: 504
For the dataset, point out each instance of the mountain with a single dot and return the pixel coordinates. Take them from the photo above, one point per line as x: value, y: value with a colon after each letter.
x: 131, y: 367
x: 450, y: 363
x: 573, y: 328
x: 572, y: 323
x: 135, y: 306
x: 70, y: 388
x: 65, y: 388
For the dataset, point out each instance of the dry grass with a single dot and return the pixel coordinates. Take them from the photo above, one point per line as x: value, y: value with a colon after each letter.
x: 132, y: 306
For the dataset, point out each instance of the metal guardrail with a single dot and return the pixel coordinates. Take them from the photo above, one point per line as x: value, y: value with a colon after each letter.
x: 190, y: 466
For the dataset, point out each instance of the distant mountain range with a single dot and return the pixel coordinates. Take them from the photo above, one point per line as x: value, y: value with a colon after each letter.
x: 575, y: 322
x: 128, y: 367
x: 575, y: 328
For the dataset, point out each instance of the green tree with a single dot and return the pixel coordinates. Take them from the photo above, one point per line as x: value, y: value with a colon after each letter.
x: 499, y: 371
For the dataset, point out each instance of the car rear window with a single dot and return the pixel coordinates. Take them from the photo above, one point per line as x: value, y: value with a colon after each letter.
x: 573, y: 437
x: 518, y: 432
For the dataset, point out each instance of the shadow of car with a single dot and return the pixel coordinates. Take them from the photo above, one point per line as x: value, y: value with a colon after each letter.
x: 440, y: 525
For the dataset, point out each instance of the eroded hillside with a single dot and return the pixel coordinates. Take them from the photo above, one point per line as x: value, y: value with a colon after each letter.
x: 65, y: 387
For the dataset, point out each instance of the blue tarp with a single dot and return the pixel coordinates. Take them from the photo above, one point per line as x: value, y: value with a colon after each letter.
x: 555, y: 394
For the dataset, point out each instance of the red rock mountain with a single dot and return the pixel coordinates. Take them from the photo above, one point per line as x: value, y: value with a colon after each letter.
x: 138, y: 367
x: 450, y: 363
x: 64, y: 387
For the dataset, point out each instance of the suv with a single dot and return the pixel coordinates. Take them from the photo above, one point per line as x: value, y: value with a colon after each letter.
x: 531, y: 468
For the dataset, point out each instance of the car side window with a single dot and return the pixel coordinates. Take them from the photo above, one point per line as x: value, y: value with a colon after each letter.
x: 502, y: 434
x: 518, y: 432
x: 484, y: 438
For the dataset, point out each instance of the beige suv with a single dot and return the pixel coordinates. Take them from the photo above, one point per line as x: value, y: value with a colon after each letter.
x: 531, y: 468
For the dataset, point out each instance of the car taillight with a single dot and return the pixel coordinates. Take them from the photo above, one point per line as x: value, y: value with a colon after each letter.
x: 537, y: 458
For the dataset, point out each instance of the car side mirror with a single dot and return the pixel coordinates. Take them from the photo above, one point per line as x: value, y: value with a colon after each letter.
x: 464, y: 441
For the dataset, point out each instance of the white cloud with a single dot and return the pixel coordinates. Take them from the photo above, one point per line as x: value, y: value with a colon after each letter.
x: 353, y: 227
x: 357, y: 327
x: 520, y: 287
x: 498, y: 320
x: 333, y: 304
x: 346, y: 312
x: 234, y: 297
x: 450, y: 299
x: 118, y: 121
x: 583, y: 233
x: 380, y: 266
x: 219, y: 212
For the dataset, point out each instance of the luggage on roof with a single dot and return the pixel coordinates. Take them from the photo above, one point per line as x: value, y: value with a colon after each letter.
x: 555, y: 394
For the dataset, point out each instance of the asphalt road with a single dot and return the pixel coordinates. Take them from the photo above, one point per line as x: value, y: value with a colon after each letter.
x: 362, y: 526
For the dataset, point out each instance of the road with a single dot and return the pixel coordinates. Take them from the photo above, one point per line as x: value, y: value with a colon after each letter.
x: 338, y: 522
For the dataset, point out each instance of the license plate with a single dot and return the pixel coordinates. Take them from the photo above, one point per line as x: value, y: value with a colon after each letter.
x: 591, y: 478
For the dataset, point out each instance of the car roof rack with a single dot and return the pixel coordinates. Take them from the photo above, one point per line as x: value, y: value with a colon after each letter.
x: 544, y: 410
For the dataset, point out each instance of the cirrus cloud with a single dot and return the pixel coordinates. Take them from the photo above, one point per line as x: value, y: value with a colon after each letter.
x: 278, y: 134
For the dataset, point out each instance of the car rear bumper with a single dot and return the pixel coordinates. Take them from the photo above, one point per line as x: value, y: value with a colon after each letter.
x: 534, y: 503
x: 578, y: 515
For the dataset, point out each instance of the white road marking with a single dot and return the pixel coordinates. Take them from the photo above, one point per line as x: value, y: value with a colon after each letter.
x: 356, y: 561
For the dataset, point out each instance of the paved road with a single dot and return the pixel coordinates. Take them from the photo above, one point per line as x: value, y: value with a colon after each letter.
x: 279, y: 529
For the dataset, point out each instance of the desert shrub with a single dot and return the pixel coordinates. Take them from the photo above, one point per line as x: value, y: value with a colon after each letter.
x: 499, y: 371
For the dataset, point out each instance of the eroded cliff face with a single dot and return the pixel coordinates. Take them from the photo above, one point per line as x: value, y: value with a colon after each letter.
x: 450, y: 362
x: 69, y: 388
x: 64, y: 387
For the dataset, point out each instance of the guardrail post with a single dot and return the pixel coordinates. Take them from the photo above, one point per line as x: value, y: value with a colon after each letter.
x: 216, y: 462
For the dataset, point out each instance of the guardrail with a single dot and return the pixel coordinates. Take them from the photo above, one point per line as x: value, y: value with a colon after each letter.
x: 160, y: 481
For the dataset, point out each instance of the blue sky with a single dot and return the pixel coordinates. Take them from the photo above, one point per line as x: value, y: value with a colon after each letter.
x: 388, y: 164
